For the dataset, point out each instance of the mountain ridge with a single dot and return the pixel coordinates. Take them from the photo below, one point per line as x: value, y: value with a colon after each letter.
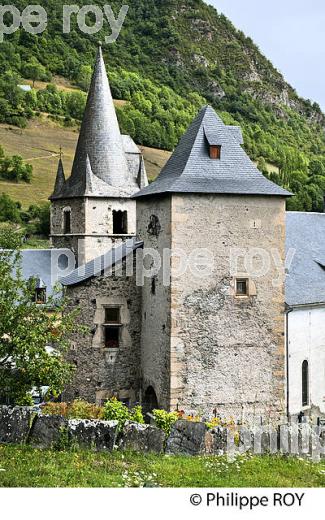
x: 171, y: 57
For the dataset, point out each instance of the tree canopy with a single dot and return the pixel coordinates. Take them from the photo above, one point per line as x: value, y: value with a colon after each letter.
x: 33, y: 337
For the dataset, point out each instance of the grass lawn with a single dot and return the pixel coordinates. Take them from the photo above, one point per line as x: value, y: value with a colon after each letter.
x: 28, y: 467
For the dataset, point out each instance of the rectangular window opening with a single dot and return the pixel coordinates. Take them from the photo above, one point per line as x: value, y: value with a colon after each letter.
x: 120, y: 223
x: 112, y: 315
x: 112, y: 337
x: 67, y: 222
x: 242, y: 285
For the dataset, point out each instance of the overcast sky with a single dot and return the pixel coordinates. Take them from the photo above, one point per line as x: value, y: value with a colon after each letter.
x: 291, y: 33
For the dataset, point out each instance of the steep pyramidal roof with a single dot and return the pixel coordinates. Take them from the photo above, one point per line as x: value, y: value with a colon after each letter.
x: 101, y: 167
x: 60, y: 179
x: 191, y: 170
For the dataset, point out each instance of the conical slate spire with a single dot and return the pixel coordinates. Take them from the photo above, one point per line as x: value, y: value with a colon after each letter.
x: 100, y: 136
x: 60, y: 179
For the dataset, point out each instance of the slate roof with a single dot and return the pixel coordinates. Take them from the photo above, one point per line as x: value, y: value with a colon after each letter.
x: 101, y: 167
x: 305, y: 281
x: 102, y: 263
x: 47, y: 265
x: 190, y: 169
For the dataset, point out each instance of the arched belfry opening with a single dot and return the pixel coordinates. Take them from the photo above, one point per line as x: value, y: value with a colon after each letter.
x: 150, y: 401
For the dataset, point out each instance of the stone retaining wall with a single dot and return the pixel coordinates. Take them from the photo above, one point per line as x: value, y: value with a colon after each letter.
x: 25, y: 426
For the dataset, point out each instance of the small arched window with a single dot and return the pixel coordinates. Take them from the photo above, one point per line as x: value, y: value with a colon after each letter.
x: 67, y: 221
x: 305, y: 383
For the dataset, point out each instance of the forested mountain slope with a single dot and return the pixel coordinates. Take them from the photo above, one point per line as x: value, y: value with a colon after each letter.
x: 171, y: 57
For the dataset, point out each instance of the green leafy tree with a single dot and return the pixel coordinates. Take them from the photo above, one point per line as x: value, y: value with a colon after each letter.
x: 33, y: 340
x: 34, y: 70
x: 84, y: 77
x: 9, y: 210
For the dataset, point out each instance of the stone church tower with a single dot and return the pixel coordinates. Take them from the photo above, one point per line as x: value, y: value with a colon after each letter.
x: 92, y: 211
x: 212, y: 337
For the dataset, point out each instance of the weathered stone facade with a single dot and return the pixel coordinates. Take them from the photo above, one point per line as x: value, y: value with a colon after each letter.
x: 103, y: 372
x: 156, y: 316
x: 203, y: 347
x: 185, y: 340
x: 92, y: 232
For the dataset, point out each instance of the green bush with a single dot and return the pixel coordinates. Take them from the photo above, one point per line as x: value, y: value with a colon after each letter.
x: 165, y: 420
x: 115, y: 410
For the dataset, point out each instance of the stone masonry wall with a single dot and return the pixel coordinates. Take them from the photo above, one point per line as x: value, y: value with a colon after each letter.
x: 228, y: 353
x: 91, y: 225
x: 154, y: 227
x: 101, y: 372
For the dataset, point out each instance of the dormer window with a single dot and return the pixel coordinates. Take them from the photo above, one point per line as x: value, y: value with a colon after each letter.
x: 215, y: 151
x: 40, y: 296
x: 39, y: 291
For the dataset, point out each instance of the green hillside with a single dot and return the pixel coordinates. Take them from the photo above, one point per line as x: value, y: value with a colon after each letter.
x: 171, y: 57
x: 39, y: 144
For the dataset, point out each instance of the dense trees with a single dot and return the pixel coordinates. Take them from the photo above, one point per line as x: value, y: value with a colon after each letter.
x: 34, y: 221
x: 32, y: 340
x: 14, y: 169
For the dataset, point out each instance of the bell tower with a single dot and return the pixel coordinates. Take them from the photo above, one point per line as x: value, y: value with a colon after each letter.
x: 92, y: 210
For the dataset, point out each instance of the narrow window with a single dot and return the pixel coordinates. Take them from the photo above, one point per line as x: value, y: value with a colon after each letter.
x: 120, y: 223
x: 153, y: 285
x: 67, y: 222
x: 305, y: 383
x: 215, y: 152
x: 242, y: 287
x: 112, y: 327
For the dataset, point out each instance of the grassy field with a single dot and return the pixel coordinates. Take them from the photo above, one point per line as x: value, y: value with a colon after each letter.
x: 39, y: 145
x: 27, y: 467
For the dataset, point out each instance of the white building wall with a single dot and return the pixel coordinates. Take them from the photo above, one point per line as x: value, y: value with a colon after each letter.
x: 306, y: 341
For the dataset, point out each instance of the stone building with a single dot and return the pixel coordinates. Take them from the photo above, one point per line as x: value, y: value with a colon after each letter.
x: 216, y: 341
x: 181, y: 282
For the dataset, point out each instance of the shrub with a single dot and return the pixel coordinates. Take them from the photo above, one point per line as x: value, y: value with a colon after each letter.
x: 115, y: 410
x: 55, y: 409
x: 80, y: 409
x: 136, y: 415
x: 165, y: 420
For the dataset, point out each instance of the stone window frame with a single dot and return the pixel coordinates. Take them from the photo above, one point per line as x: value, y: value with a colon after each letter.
x: 251, y: 288
x: 113, y: 325
x: 99, y: 321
